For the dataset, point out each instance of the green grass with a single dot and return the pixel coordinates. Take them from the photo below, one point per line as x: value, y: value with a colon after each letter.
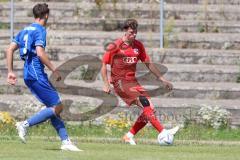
x: 46, y: 150
x: 44, y: 144
x: 192, y: 132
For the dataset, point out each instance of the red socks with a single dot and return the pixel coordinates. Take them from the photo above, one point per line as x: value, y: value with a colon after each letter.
x: 147, y: 115
x: 139, y: 124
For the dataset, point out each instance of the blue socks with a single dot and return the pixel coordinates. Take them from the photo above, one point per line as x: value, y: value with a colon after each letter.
x: 58, y: 124
x: 46, y: 114
x: 41, y: 116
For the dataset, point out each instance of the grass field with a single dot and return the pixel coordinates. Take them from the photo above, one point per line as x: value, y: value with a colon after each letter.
x: 194, y: 132
x: 192, y: 143
x: 46, y: 150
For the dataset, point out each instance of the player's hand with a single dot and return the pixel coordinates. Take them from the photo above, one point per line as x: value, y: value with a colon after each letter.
x: 57, y: 75
x: 168, y: 85
x: 107, y: 89
x: 11, y: 78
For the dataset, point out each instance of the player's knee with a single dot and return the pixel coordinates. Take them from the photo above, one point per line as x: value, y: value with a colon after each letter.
x: 144, y: 101
x: 58, y: 109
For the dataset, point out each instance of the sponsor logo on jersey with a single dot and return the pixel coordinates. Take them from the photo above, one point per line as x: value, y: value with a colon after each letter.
x: 130, y: 60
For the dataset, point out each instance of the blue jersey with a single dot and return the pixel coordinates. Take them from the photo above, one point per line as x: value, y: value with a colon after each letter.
x: 28, y: 39
x: 34, y: 76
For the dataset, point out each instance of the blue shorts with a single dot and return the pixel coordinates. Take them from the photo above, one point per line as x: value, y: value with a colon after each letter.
x: 44, y: 92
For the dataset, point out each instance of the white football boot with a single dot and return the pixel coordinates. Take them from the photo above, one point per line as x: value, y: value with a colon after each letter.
x: 128, y: 138
x: 22, y: 131
x: 172, y: 131
x: 67, y: 145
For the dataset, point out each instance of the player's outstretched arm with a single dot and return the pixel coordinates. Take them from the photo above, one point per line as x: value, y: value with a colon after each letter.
x: 45, y: 60
x: 106, y: 87
x: 11, y: 77
x: 158, y: 74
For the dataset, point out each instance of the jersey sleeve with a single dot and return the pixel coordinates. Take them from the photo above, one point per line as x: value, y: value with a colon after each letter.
x: 143, y: 56
x: 106, y: 58
x: 110, y: 50
x: 16, y: 39
x: 38, y: 39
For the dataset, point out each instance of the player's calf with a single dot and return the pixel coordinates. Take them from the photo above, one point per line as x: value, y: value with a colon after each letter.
x: 148, y: 112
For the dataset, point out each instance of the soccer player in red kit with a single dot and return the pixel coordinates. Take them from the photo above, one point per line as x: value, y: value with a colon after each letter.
x: 122, y: 55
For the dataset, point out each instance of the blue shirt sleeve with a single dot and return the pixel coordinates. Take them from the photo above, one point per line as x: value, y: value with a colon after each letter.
x: 39, y: 39
x: 16, y: 39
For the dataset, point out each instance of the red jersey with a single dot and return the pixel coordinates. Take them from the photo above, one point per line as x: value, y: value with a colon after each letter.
x: 123, y: 59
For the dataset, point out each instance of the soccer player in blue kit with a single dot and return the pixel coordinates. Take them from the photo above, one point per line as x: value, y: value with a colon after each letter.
x: 31, y: 42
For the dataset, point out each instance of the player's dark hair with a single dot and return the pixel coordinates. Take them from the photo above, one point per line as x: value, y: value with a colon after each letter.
x: 40, y: 10
x: 132, y: 23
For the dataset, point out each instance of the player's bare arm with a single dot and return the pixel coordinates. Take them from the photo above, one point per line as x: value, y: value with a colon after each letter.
x: 45, y: 60
x: 158, y: 74
x: 11, y: 77
x: 106, y: 87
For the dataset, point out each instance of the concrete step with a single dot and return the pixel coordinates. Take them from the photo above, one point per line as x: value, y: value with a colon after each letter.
x: 18, y: 101
x: 149, y: 39
x: 232, y: 2
x: 63, y: 37
x: 100, y: 24
x: 202, y: 73
x: 156, y: 1
x: 204, y: 41
x: 175, y: 56
x: 198, y: 90
x: 206, y: 90
x: 159, y: 102
x: 197, y: 73
x: 168, y: 56
x: 167, y: 109
x: 115, y: 24
x: 126, y: 10
x: 196, y: 56
x: 175, y: 72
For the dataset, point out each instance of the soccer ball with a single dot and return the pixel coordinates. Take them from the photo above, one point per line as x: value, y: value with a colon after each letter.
x: 165, y: 139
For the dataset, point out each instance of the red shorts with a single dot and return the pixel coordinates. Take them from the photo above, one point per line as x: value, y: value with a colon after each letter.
x: 129, y: 91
